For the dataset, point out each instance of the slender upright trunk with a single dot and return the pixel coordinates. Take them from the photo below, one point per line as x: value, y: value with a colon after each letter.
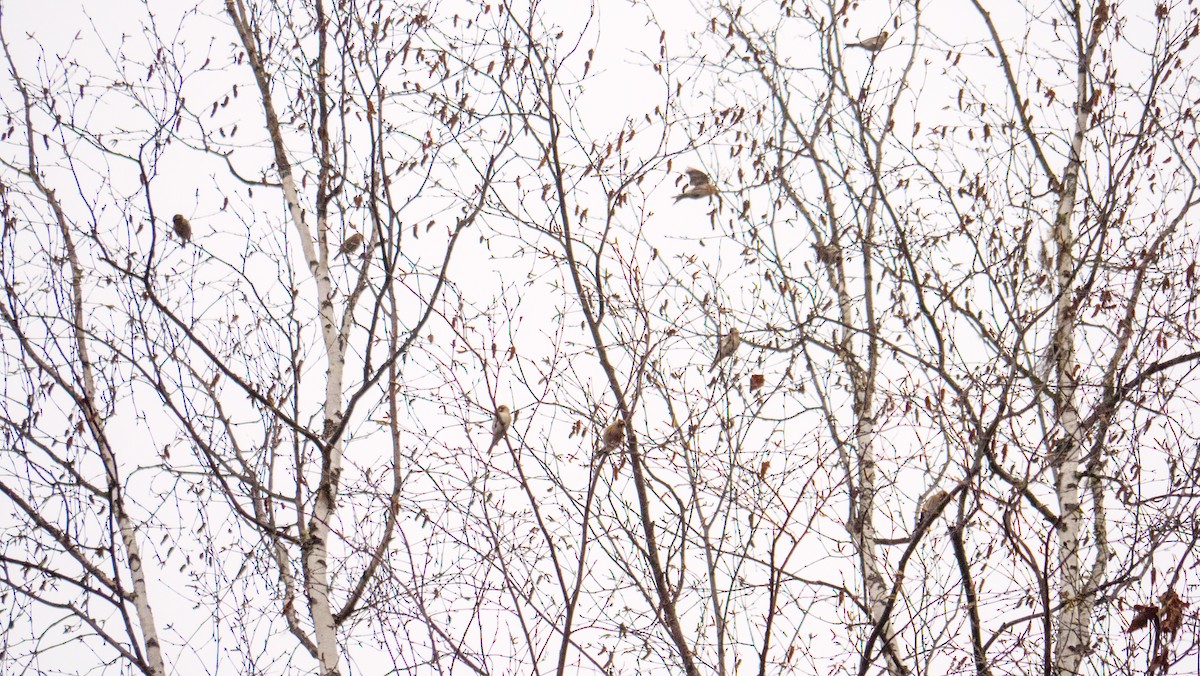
x: 139, y: 594
x: 1076, y: 591
x: 315, y: 538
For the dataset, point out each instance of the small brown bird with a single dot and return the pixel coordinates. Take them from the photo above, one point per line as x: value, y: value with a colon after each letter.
x: 871, y: 44
x: 351, y: 244
x: 699, y: 185
x: 500, y: 424
x: 726, y: 347
x: 182, y: 228
x: 613, y: 435
x: 931, y: 504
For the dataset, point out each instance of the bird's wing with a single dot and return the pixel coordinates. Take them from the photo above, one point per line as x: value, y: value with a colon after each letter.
x: 697, y: 178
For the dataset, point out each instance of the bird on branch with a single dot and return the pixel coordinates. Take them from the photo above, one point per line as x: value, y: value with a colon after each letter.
x: 500, y: 424
x: 726, y: 347
x: 871, y: 44
x: 182, y: 228
x: 613, y: 435
x: 930, y: 505
x: 351, y: 244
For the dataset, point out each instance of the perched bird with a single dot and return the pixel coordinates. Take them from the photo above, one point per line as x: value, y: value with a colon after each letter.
x: 613, y: 435
x: 351, y: 244
x: 500, y: 424
x: 698, y: 186
x: 726, y: 346
x: 182, y: 227
x: 871, y: 44
x: 931, y: 504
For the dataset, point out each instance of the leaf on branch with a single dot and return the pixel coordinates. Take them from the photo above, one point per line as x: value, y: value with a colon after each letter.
x: 1159, y: 664
x: 1142, y: 617
x: 1172, y: 611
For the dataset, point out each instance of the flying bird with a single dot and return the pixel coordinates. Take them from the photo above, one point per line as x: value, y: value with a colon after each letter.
x: 500, y: 424
x: 871, y: 44
x: 613, y: 435
x: 351, y: 244
x: 182, y: 228
x: 726, y: 347
x: 699, y: 185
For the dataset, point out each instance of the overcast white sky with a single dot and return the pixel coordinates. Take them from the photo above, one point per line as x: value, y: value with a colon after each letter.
x: 621, y: 87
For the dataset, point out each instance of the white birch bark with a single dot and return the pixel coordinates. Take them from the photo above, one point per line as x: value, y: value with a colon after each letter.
x: 863, y: 468
x: 315, y: 539
x: 863, y: 530
x: 139, y: 595
x: 1076, y: 589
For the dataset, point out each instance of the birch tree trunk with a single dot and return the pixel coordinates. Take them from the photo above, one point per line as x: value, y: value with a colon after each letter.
x: 315, y: 540
x: 79, y: 378
x: 1079, y: 581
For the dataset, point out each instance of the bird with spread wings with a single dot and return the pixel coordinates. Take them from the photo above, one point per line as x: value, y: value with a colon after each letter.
x: 699, y: 186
